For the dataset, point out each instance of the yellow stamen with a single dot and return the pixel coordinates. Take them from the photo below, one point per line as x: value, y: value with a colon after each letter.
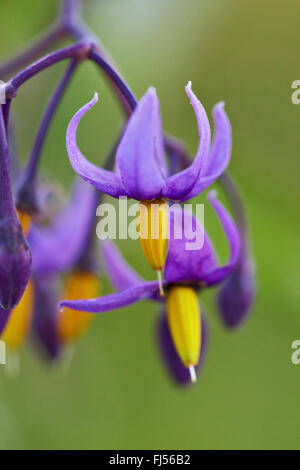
x: 79, y: 285
x: 153, y: 229
x: 183, y: 312
x: 25, y: 221
x: 19, y: 320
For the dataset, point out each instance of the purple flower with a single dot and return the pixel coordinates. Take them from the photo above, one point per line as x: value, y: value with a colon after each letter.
x: 63, y: 247
x: 141, y: 171
x: 186, y: 271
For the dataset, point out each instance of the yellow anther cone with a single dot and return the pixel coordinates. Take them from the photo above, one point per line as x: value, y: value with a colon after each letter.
x: 25, y: 221
x: 19, y: 320
x: 153, y: 229
x: 183, y: 313
x: 79, y: 285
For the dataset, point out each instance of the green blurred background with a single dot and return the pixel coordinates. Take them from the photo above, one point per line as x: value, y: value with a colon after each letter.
x: 117, y: 394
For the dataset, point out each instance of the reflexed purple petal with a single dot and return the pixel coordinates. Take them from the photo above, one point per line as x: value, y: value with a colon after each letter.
x: 184, y: 264
x: 105, y: 181
x: 113, y: 301
x: 220, y: 152
x: 217, y: 275
x: 121, y: 275
x: 45, y: 317
x: 57, y: 248
x: 4, y: 315
x: 15, y: 265
x: 140, y: 154
x: 178, y: 371
x: 180, y: 184
x: 237, y: 294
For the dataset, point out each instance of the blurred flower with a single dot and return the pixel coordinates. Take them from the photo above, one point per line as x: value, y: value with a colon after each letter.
x: 65, y: 247
x: 56, y: 252
x: 186, y: 271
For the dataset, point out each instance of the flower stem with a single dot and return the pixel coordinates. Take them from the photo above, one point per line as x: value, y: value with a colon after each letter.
x: 7, y: 208
x: 77, y: 50
x: 116, y: 79
x: 41, y: 44
x: 70, y: 10
x: 47, y: 118
x: 26, y: 197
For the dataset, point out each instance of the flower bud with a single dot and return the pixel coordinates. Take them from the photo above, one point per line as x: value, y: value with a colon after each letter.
x: 15, y: 263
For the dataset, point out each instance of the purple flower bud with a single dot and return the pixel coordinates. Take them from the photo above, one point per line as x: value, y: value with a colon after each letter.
x: 15, y: 257
x: 237, y: 294
x: 15, y: 263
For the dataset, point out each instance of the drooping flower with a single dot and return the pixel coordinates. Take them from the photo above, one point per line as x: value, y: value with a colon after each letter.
x: 65, y: 248
x: 141, y: 170
x: 186, y: 272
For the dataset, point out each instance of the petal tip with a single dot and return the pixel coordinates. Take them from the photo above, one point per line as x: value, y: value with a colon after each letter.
x: 95, y: 98
x: 151, y: 95
x: 220, y: 105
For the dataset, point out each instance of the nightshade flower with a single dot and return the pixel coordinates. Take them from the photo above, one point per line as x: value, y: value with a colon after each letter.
x: 65, y: 247
x: 141, y: 171
x: 57, y: 251
x: 186, y: 272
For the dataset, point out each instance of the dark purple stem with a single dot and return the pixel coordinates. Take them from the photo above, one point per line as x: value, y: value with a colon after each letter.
x: 235, y: 200
x: 71, y: 11
x: 69, y: 20
x: 124, y: 92
x: 26, y: 184
x: 114, y: 77
x: 46, y: 121
x: 7, y: 207
x: 78, y: 50
x: 41, y: 45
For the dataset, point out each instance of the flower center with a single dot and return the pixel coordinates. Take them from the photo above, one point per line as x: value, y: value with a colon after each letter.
x: 79, y: 285
x: 183, y: 313
x: 153, y: 230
